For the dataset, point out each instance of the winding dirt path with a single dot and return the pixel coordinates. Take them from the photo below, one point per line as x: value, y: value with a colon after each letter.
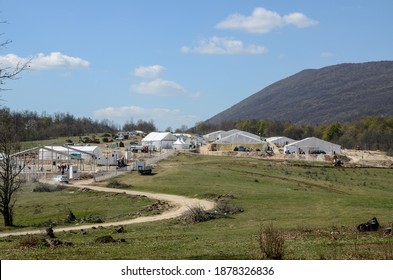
x: 180, y: 204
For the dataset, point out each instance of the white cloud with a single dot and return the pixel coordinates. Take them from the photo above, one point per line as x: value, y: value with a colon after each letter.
x: 219, y: 45
x: 158, y: 87
x: 327, y: 54
x: 299, y: 20
x: 42, y: 61
x: 120, y: 112
x: 163, y: 117
x: 264, y: 21
x: 149, y: 71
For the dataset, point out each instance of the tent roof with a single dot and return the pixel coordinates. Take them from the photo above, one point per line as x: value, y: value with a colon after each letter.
x: 179, y: 141
x: 160, y: 136
x: 213, y: 133
x: 279, y: 138
x: 313, y: 141
x: 86, y: 149
x: 240, y: 137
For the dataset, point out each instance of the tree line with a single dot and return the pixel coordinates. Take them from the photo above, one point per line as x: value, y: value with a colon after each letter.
x: 368, y: 133
x: 31, y: 126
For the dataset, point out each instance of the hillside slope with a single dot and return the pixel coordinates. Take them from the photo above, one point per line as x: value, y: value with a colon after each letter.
x: 341, y: 92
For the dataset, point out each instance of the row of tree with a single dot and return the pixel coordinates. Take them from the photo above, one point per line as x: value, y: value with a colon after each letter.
x: 31, y: 126
x: 371, y: 133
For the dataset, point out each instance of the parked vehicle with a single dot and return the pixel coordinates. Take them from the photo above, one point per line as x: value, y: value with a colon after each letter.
x: 61, y: 179
x: 241, y: 149
x: 143, y: 168
x: 318, y: 152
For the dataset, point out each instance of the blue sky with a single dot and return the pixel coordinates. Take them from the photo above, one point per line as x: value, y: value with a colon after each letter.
x: 176, y: 62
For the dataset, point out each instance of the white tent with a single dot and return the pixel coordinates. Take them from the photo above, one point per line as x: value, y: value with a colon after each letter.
x: 159, y: 140
x: 311, y: 145
x: 240, y: 138
x: 213, y: 136
x: 63, y: 152
x: 180, y: 144
x: 280, y: 141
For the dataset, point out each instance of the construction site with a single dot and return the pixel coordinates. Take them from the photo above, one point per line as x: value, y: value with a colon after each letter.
x: 79, y: 162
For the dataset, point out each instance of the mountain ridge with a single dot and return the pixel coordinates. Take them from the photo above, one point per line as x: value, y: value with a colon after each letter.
x: 342, y: 93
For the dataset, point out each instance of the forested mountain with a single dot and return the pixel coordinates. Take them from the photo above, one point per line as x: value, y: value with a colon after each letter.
x: 338, y: 93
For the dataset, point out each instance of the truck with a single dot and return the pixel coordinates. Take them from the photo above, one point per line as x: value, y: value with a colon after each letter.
x: 143, y: 168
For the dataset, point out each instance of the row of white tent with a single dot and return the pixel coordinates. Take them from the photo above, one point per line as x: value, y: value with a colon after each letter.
x: 166, y: 140
x: 306, y: 146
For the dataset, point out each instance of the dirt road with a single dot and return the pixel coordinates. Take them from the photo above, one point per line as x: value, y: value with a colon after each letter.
x: 180, y: 204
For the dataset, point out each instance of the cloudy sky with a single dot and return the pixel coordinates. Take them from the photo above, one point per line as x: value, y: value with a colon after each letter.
x: 176, y: 62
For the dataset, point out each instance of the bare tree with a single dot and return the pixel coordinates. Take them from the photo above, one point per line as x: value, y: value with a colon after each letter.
x: 9, y: 170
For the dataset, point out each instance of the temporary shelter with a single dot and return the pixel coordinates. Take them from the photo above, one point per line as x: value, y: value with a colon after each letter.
x: 213, y: 136
x: 66, y: 152
x: 159, y: 140
x: 280, y: 141
x: 179, y: 144
x: 240, y: 138
x: 312, y: 145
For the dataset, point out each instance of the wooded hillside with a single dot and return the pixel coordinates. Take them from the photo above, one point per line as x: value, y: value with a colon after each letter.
x: 338, y: 93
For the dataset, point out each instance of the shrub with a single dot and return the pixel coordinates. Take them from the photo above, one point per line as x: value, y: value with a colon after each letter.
x: 116, y: 184
x: 30, y: 241
x: 48, y: 188
x: 196, y: 214
x: 224, y: 208
x: 271, y: 243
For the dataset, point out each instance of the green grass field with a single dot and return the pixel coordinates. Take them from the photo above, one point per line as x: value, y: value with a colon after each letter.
x: 305, y: 202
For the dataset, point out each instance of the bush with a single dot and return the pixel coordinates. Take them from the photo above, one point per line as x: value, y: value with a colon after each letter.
x: 29, y: 241
x: 224, y: 208
x: 48, y: 188
x: 196, y: 214
x: 116, y: 184
x: 271, y: 243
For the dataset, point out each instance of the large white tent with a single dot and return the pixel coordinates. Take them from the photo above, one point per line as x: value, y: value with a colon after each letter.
x: 65, y: 152
x: 310, y: 145
x: 159, y: 140
x: 240, y: 138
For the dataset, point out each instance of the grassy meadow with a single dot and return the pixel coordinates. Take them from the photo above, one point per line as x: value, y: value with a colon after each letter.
x: 315, y: 208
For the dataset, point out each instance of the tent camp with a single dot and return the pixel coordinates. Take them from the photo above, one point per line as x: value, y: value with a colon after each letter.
x: 159, y: 140
x: 312, y: 145
x: 280, y: 141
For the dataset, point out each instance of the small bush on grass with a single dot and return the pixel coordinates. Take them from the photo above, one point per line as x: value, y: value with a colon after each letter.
x: 48, y: 188
x: 196, y: 214
x: 225, y: 208
x: 117, y: 185
x: 29, y: 241
x: 271, y: 243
